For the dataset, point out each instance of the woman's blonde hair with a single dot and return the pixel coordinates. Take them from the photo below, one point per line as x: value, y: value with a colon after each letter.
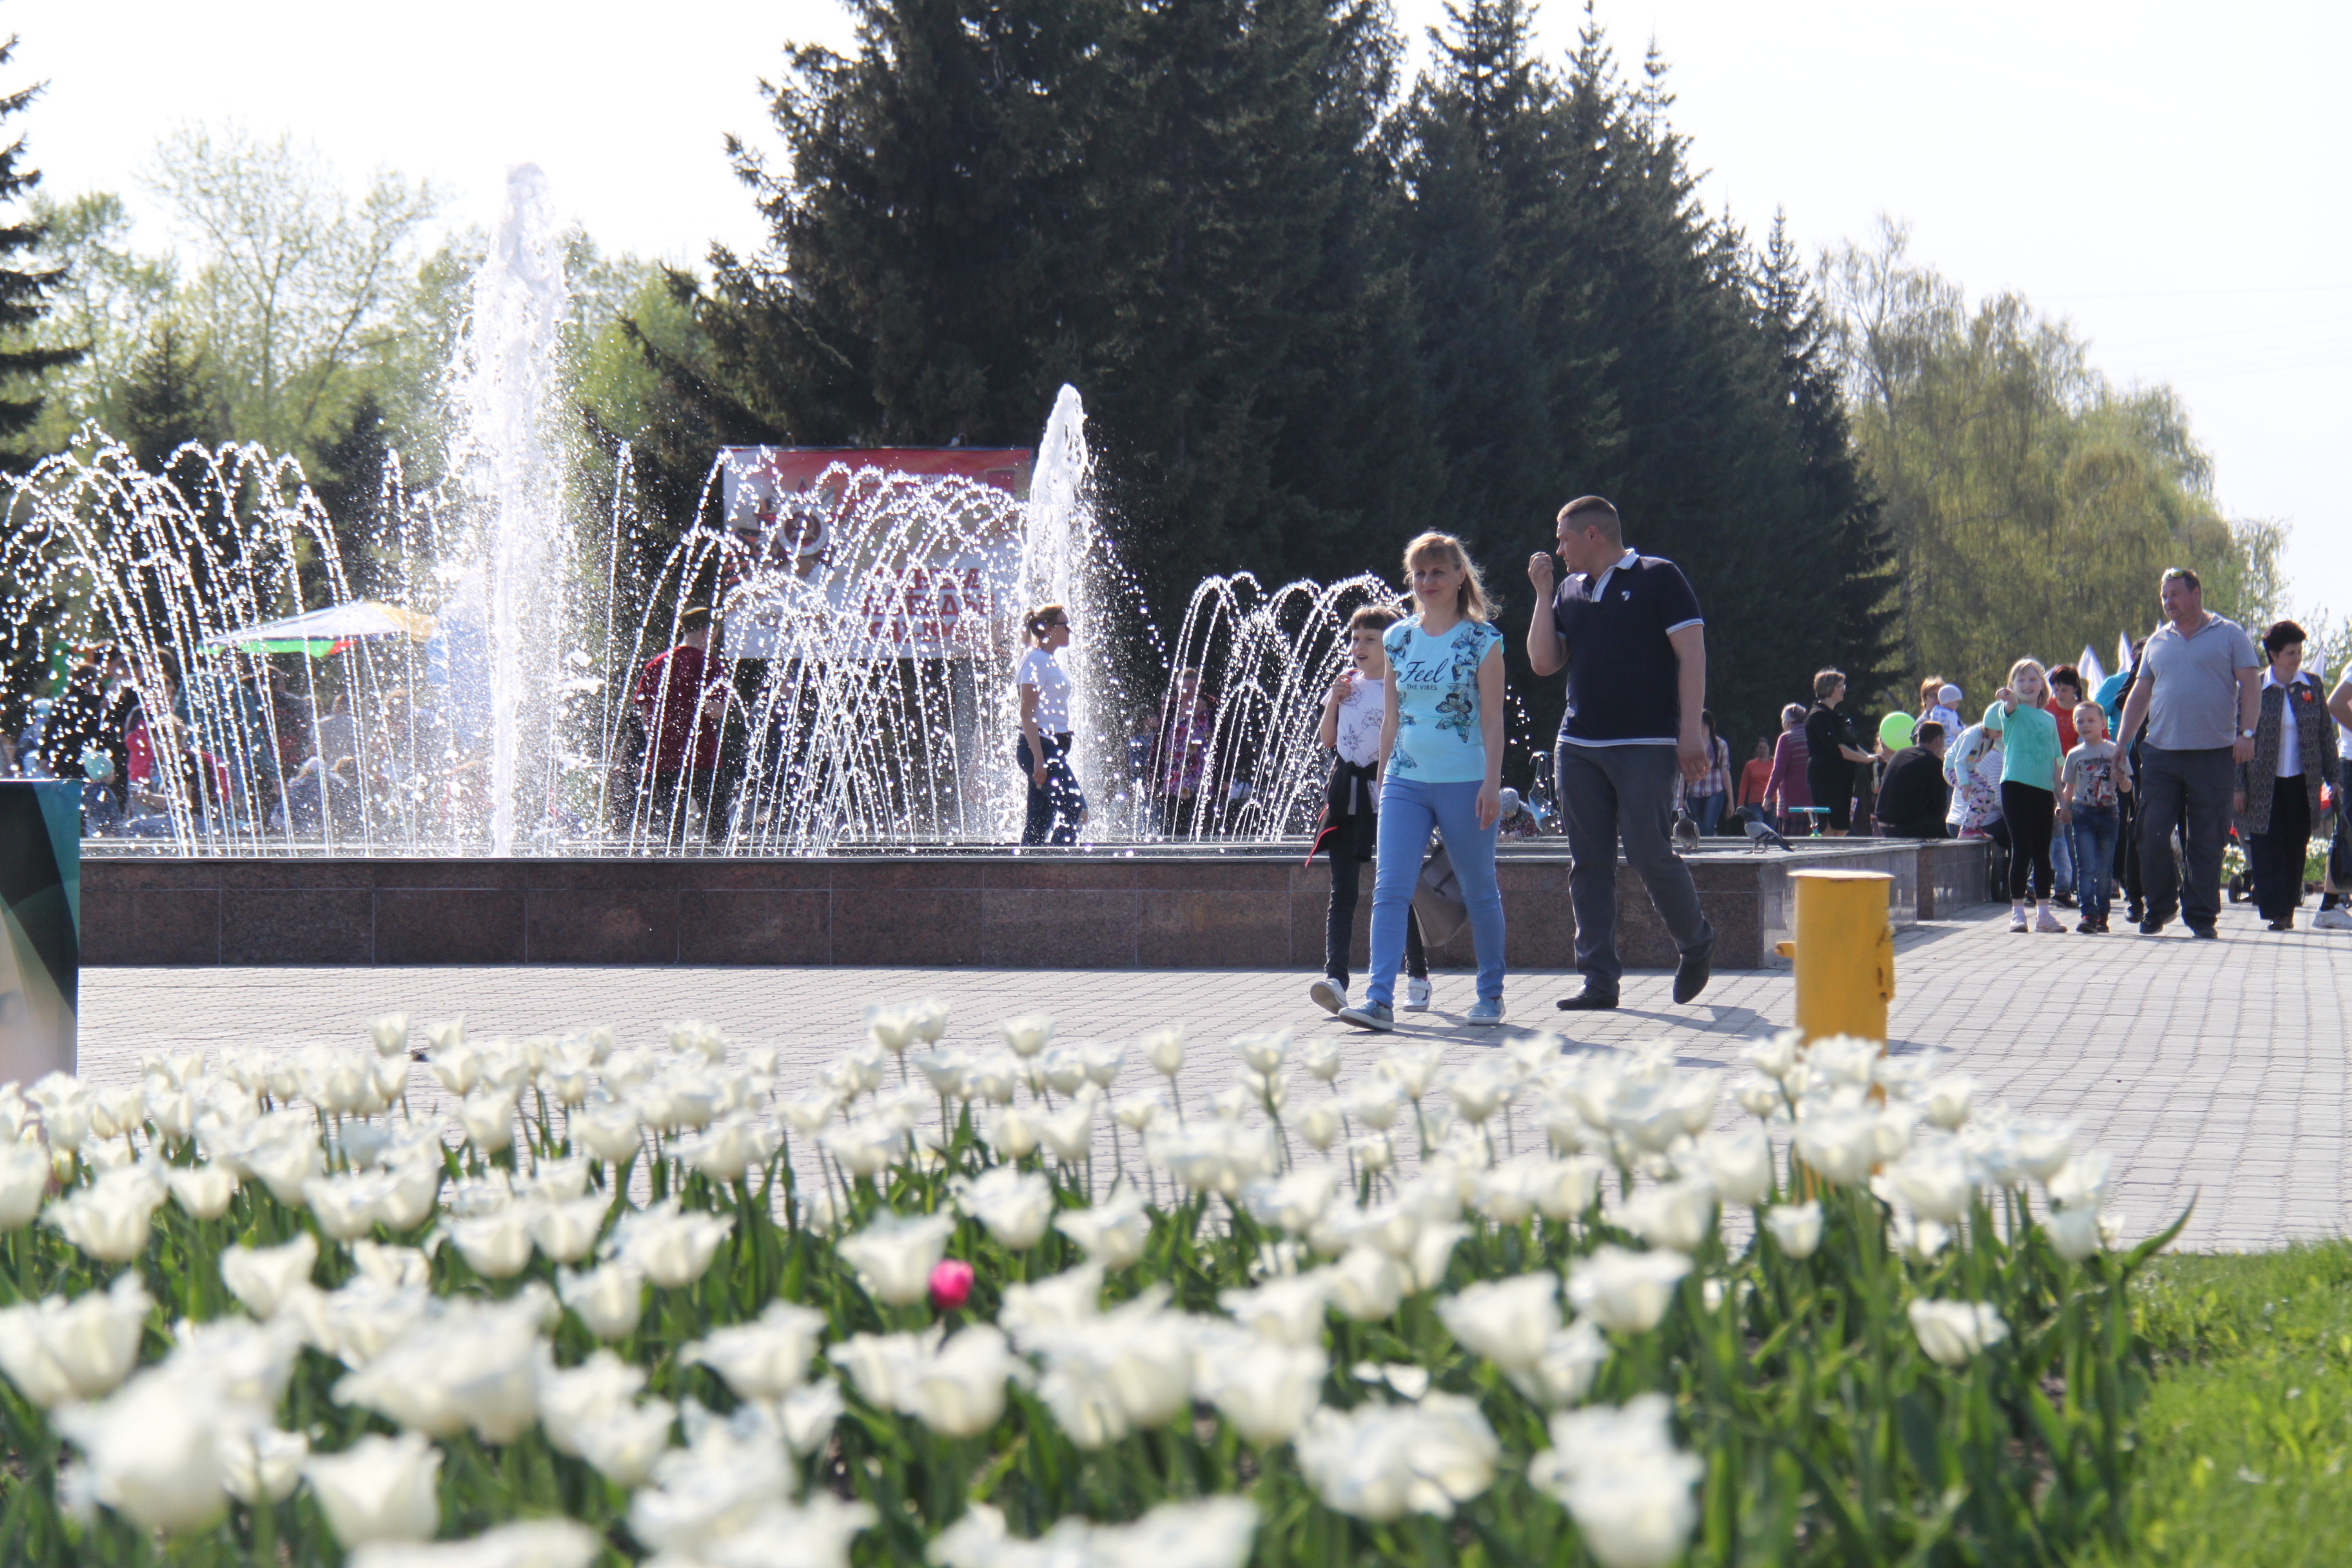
x: 1035, y: 623
x: 2034, y: 665
x: 1473, y: 604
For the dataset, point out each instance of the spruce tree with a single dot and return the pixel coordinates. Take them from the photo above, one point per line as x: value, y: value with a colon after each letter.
x: 26, y: 292
x: 172, y: 397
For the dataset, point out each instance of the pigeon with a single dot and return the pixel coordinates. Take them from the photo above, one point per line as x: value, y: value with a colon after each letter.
x: 1685, y: 832
x: 1759, y: 837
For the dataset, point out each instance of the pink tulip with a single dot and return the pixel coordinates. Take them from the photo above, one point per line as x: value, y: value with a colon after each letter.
x: 950, y: 1284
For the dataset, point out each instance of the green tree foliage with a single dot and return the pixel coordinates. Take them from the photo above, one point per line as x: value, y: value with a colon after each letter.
x: 2033, y: 504
x: 26, y: 292
x: 1311, y: 316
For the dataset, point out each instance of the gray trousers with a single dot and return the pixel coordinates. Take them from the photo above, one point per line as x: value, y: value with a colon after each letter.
x: 2189, y: 791
x: 1607, y: 792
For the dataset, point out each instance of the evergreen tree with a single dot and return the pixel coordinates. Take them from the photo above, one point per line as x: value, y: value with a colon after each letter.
x: 173, y: 397
x: 26, y: 292
x: 349, y: 486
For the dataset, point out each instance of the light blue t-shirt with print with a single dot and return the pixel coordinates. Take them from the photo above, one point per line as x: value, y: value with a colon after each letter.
x: 1438, y: 737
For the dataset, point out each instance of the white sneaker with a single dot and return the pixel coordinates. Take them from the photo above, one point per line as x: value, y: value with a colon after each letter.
x: 1328, y: 994
x: 1416, y: 994
x: 2331, y: 920
x: 2017, y: 918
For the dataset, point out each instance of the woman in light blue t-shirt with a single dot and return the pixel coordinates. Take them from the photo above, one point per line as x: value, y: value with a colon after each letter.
x: 1442, y: 738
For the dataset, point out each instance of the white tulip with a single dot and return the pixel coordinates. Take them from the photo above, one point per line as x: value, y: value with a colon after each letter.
x: 1431, y: 1255
x: 1013, y: 1132
x: 1377, y: 1103
x: 1320, y: 1058
x: 1773, y: 1057
x: 1069, y: 1132
x: 945, y: 1071
x: 865, y: 1146
x: 572, y: 1398
x: 565, y: 1232
x: 1739, y: 1164
x: 807, y: 1416
x: 1934, y: 1182
x: 1947, y: 1099
x: 1569, y: 1187
x: 1796, y: 1228
x: 405, y: 1192
x: 527, y: 1543
x: 895, y: 1255
x: 1626, y: 1291
x: 608, y: 1301
x: 731, y: 1146
x: 1411, y: 1067
x: 1380, y: 1462
x: 389, y: 1034
x: 609, y: 1131
x: 2039, y: 1149
x: 394, y: 1268
x: 1114, y: 1232
x: 285, y: 1164
x: 1482, y: 1088
x: 204, y: 1192
x: 152, y: 1451
x: 1319, y: 1126
x: 669, y: 1248
x: 1120, y: 1371
x: 1028, y: 1033
x: 1759, y: 1096
x: 1508, y: 1322
x: 1678, y: 1216
x: 1365, y: 1284
x: 1918, y: 1237
x: 465, y: 1364
x: 1841, y: 1144
x: 1622, y: 1481
x: 109, y: 1220
x: 1265, y: 1051
x: 1266, y: 1390
x: 2082, y: 1182
x: 380, y: 1488
x: 260, y: 1464
x: 815, y: 1533
x: 1562, y: 1372
x: 1164, y: 1049
x: 1374, y: 1153
x: 494, y: 1246
x: 959, y: 1391
x: 25, y: 1174
x: 2076, y: 1233
x: 1033, y: 1312
x: 1064, y: 1068
x: 344, y: 1207
x: 54, y: 1351
x: 764, y: 1359
x: 1012, y: 1205
x: 718, y: 1484
x: 263, y: 1276
x: 1844, y: 1058
x: 1295, y: 1202
x: 1287, y: 1311
x: 1952, y: 1331
x: 882, y: 1366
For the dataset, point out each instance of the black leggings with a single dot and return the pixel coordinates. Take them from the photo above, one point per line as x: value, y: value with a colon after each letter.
x: 1339, y: 927
x: 2029, y: 811
x: 1057, y: 807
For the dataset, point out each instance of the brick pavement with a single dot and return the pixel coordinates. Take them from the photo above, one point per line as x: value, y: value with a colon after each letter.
x: 2209, y: 1069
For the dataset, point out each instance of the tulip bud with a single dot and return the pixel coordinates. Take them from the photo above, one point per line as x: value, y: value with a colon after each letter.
x: 951, y: 1285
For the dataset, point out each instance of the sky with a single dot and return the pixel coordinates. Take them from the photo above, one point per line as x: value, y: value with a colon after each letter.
x: 2170, y: 178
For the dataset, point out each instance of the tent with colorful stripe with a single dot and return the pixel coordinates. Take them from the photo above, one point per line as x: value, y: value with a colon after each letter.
x: 329, y: 631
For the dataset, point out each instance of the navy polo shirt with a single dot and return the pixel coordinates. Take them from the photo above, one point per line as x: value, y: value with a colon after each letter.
x: 1623, y: 675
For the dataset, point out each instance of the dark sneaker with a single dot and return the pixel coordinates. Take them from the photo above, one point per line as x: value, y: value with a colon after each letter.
x: 2151, y: 928
x: 1373, y: 1015
x: 1691, y: 973
x: 2064, y: 900
x: 2086, y: 927
x: 2204, y: 933
x: 1589, y: 1000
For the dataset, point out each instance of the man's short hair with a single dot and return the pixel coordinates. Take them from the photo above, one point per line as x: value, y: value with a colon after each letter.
x: 1929, y: 732
x: 1595, y: 512
x: 2282, y: 634
x: 2182, y: 574
x: 694, y: 618
x: 1374, y: 618
x: 2067, y: 675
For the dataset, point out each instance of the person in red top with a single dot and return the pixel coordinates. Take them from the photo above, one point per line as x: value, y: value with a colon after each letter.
x: 682, y: 700
x: 2066, y: 692
x: 1755, y: 777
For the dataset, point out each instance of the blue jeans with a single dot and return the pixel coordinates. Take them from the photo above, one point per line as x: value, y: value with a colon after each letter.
x: 1408, y: 810
x: 1706, y: 810
x: 2092, y: 834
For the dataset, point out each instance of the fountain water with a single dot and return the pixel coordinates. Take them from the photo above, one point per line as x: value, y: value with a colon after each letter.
x: 877, y: 712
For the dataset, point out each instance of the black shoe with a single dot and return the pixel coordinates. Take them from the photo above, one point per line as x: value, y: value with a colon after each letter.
x: 2151, y: 928
x: 2064, y: 900
x: 2205, y: 933
x: 1589, y: 1000
x: 2286, y: 925
x: 1691, y: 973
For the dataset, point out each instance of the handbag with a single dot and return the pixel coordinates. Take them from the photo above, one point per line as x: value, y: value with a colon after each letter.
x: 1437, y: 900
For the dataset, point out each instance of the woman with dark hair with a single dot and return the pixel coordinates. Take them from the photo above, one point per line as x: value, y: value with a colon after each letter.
x: 1831, y: 752
x: 2278, y: 795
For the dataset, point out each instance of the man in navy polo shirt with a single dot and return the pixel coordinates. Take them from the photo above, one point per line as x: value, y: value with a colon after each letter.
x: 1626, y: 628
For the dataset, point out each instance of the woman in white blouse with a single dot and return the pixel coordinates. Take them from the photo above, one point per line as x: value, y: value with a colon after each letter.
x: 1056, y: 806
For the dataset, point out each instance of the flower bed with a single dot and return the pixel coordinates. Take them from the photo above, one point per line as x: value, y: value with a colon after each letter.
x: 960, y: 1306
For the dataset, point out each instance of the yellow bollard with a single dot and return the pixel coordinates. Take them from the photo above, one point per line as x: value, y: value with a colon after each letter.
x: 1844, y: 951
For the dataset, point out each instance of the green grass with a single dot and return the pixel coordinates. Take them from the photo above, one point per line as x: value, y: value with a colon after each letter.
x: 2248, y: 1432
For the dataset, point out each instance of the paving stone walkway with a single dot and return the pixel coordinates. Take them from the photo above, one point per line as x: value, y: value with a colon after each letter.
x: 2210, y: 1071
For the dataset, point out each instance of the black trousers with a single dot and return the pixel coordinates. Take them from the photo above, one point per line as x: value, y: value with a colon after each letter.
x: 2031, y: 813
x: 2189, y: 791
x: 2276, y: 858
x: 1339, y: 924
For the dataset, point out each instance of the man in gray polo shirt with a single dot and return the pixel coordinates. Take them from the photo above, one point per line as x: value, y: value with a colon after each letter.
x: 2199, y: 689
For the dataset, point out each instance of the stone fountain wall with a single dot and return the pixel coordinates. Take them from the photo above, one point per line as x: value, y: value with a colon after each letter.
x: 1246, y: 910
